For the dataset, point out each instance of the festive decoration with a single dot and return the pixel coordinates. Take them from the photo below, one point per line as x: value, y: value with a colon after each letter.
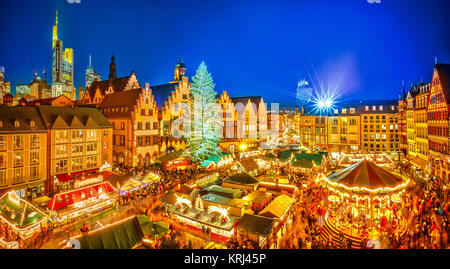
x: 223, y: 212
x: 206, y: 121
x: 182, y: 201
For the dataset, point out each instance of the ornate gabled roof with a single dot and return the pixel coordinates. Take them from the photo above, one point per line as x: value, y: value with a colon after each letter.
x: 444, y: 75
x: 124, y: 99
x: 244, y: 100
x: 117, y: 84
x: 163, y: 92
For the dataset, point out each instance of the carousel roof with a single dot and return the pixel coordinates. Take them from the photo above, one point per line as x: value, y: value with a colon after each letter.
x: 367, y: 175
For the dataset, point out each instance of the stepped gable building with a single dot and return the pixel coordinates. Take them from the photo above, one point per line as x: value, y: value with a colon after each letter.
x: 134, y: 117
x: 438, y: 122
x: 79, y: 142
x: 169, y: 99
x: 244, y: 120
x: 97, y: 91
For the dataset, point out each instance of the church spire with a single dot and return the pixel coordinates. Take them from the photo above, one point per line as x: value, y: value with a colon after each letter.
x: 112, y: 68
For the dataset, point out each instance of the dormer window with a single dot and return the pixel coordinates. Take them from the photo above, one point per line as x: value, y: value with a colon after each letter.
x: 381, y: 108
x: 367, y: 108
x: 344, y: 111
x: 374, y: 108
x: 32, y: 123
x: 16, y: 124
x: 352, y: 110
x: 1, y: 124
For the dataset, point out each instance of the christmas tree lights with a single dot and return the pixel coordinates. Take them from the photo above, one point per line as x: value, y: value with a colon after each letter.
x: 206, y: 122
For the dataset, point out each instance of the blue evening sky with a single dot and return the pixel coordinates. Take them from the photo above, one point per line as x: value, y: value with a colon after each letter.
x: 260, y: 47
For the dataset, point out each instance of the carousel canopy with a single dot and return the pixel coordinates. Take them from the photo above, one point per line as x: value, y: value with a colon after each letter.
x: 367, y: 175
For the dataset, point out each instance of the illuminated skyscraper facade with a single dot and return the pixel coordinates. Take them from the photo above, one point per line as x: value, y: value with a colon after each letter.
x: 62, y: 67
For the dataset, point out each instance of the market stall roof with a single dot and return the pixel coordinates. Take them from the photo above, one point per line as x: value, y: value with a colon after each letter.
x: 257, y: 197
x: 171, y: 156
x: 304, y: 157
x: 242, y: 178
x: 248, y: 164
x: 18, y: 212
x: 150, y: 177
x: 124, y: 234
x: 255, y: 224
x: 365, y: 175
x: 278, y: 207
x: 219, y: 199
x: 131, y: 184
x: 228, y: 192
x: 152, y: 228
x: 64, y: 199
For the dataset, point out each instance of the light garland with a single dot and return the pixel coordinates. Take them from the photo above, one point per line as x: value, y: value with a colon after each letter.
x: 321, y: 177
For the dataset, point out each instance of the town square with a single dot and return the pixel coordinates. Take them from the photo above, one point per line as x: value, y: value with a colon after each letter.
x: 224, y: 125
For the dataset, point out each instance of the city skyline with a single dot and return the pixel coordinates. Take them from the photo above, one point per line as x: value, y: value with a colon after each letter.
x: 361, y: 53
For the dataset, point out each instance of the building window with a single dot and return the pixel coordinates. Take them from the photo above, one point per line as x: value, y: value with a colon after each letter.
x: 91, y: 161
x: 18, y: 158
x: 142, y: 112
x: 61, y: 151
x: 61, y: 166
x: 18, y: 142
x: 155, y: 125
x: 16, y: 124
x: 2, y: 160
x: 2, y: 177
x: 34, y: 172
x: 105, y: 133
x: 3, y: 145
x: 18, y: 175
x: 34, y: 157
x: 139, y: 125
x: 105, y: 145
x: 34, y: 141
x: 91, y: 135
x: 77, y: 136
x: 77, y: 149
x: 77, y: 164
x: 150, y: 112
x: 122, y: 126
x: 61, y: 137
x: 91, y: 148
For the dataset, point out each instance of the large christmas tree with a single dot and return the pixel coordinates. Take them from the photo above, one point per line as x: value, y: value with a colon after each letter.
x: 205, y: 119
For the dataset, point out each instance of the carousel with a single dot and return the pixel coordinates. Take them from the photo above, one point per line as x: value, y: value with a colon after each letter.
x: 364, y: 202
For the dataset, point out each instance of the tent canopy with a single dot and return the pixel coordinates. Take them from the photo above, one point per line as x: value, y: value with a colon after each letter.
x: 122, y: 235
x: 366, y: 175
x: 277, y: 207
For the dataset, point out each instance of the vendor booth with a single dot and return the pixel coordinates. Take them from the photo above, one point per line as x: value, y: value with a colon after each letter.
x: 21, y: 216
x: 130, y: 186
x: 83, y: 201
